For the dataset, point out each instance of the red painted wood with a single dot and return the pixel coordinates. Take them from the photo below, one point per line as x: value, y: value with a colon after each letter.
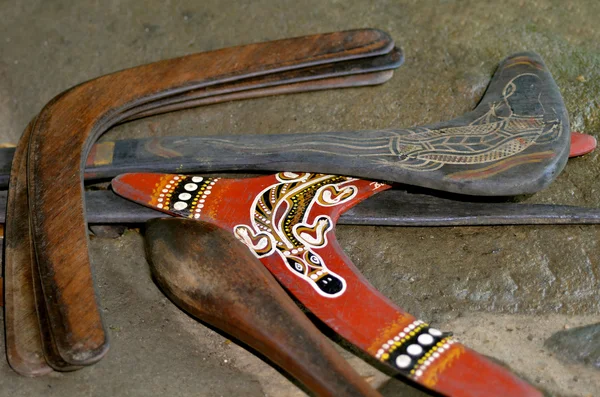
x: 581, y: 144
x: 309, y: 205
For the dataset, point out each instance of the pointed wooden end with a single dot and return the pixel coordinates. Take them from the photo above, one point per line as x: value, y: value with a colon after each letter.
x: 462, y: 371
x: 141, y: 187
x: 581, y: 144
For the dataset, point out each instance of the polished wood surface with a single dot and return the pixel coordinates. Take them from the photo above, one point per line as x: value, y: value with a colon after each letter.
x: 208, y: 273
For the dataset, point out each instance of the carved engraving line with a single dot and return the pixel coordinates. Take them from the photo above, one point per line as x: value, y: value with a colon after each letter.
x: 511, y: 125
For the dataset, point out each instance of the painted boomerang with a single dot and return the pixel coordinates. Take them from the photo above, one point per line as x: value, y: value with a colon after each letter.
x: 287, y: 221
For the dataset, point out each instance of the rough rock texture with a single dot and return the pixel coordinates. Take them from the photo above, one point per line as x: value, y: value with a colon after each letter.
x: 503, y: 290
x: 577, y: 344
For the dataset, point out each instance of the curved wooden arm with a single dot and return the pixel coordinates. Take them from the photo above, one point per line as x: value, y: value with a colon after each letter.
x: 309, y: 78
x: 67, y: 127
x: 212, y: 276
x: 353, y: 73
x: 30, y: 348
x: 24, y: 350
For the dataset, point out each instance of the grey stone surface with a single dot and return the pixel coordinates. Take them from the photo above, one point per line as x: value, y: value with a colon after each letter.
x: 578, y: 344
x: 503, y: 290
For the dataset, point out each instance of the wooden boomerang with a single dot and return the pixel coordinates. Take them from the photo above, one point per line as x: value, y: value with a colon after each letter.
x: 287, y: 221
x: 108, y: 159
x: 73, y: 320
x: 187, y: 260
x: 24, y: 351
x: 515, y: 142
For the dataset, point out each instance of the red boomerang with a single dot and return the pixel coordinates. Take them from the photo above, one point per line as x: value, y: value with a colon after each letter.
x: 287, y: 220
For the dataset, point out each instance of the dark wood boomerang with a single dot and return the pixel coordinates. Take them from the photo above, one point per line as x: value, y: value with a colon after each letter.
x: 515, y: 142
x: 108, y: 159
x: 76, y: 330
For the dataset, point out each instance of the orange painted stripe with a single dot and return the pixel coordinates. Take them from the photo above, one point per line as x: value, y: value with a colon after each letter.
x: 523, y: 61
x: 501, y: 166
x: 432, y: 374
x: 390, y: 330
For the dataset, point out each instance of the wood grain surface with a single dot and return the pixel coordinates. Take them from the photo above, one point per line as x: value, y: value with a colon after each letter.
x: 208, y: 273
x: 23, y: 339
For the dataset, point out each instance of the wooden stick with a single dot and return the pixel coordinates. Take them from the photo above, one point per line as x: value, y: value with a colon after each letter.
x: 212, y: 276
x: 396, y: 207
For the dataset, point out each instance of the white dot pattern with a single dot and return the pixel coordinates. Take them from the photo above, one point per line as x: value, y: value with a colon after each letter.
x: 435, y: 332
x: 403, y: 361
x: 414, y: 350
x: 180, y: 205
x: 189, y: 194
x: 425, y: 339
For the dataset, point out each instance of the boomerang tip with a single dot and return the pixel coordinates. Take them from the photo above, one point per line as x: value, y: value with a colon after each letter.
x: 141, y: 187
x: 581, y: 144
x: 467, y: 373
